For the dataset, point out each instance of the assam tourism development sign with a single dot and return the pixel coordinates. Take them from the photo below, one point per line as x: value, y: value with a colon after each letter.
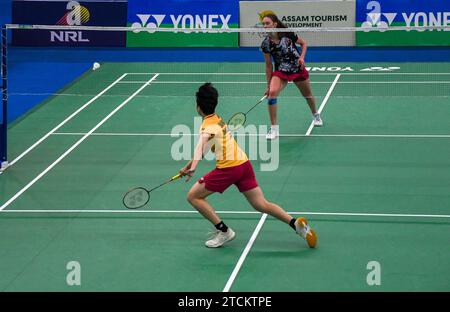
x: 301, y: 14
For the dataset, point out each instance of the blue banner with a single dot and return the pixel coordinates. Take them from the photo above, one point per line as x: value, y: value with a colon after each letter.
x: 184, y: 13
x: 404, y: 12
x: 382, y: 14
x: 69, y: 13
x: 205, y: 14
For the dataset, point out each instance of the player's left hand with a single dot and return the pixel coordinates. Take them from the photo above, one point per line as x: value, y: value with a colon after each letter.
x: 301, y: 63
x: 189, y: 173
x: 184, y: 171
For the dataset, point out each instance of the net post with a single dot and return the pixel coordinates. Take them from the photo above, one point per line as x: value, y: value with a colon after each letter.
x: 4, y: 124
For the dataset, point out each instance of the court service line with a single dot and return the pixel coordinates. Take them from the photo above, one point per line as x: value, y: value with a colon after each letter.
x: 434, y: 136
x: 250, y: 212
x: 245, y: 96
x: 324, y: 102
x: 204, y: 73
x: 250, y: 243
x: 76, y: 144
x: 310, y: 72
x: 397, y: 82
x: 215, y: 82
x: 426, y: 136
x: 312, y: 82
x: 65, y: 121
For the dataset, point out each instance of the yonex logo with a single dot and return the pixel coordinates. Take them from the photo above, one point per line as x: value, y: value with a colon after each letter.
x: 374, y: 17
x: 181, y: 21
x: 150, y: 26
x: 381, y: 69
x: 350, y: 69
x: 382, y: 21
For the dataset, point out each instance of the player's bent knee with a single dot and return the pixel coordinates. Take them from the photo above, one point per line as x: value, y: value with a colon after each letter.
x: 273, y: 93
x: 191, y: 197
x: 272, y: 101
x: 260, y: 205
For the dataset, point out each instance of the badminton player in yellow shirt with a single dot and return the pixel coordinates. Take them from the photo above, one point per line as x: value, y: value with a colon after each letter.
x: 232, y: 167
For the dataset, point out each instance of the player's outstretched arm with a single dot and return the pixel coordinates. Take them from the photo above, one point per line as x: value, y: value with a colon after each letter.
x: 189, y: 169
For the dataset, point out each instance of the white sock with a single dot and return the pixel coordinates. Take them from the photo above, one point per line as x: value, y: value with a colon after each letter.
x: 274, y: 128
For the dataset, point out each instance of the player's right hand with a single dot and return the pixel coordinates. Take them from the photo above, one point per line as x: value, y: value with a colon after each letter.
x: 184, y: 171
x: 189, y: 174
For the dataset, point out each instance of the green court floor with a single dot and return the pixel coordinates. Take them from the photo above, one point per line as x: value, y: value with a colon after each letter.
x: 374, y: 183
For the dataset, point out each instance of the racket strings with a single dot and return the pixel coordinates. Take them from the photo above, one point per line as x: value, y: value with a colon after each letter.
x: 140, y: 196
x: 136, y: 198
x: 238, y: 120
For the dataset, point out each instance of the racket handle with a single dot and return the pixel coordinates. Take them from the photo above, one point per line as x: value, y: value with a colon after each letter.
x: 176, y: 177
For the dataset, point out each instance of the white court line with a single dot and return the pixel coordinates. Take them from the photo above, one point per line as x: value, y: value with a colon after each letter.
x: 244, y: 253
x: 312, y: 82
x: 244, y: 96
x: 437, y: 136
x: 75, y: 145
x: 264, y: 216
x: 310, y: 72
x: 434, y: 136
x: 324, y: 102
x: 64, y: 122
x: 204, y: 73
x: 339, y: 214
x: 389, y: 73
x: 215, y: 82
x: 395, y: 82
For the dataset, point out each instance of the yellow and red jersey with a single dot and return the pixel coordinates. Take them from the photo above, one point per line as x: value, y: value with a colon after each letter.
x: 228, y: 153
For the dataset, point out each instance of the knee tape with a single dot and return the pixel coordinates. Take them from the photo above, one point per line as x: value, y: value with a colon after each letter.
x: 272, y: 101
